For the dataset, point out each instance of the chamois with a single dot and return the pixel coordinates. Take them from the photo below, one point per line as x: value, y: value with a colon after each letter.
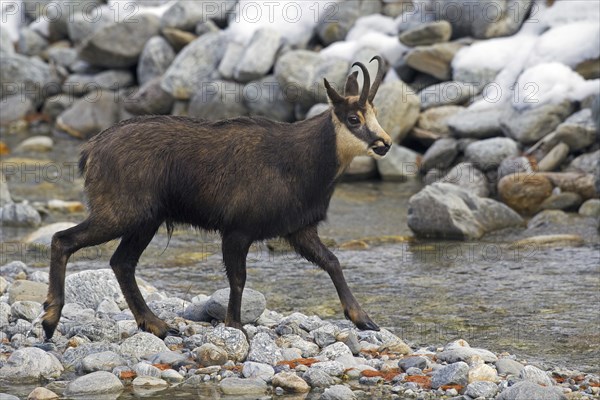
x: 249, y: 179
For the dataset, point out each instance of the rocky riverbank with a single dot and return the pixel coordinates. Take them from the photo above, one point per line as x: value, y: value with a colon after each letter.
x: 98, y: 350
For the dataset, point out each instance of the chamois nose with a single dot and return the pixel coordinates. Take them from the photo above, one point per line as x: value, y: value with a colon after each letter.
x: 381, y: 147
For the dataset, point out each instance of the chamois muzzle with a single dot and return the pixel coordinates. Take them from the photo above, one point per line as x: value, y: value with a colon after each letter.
x: 380, y: 147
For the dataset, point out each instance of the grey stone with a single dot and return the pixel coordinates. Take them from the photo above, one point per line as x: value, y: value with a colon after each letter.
x: 475, y: 123
x: 488, y: 153
x: 232, y: 340
x: 506, y: 366
x: 531, y: 124
x: 43, y: 235
x: 186, y: 15
x: 317, y: 109
x: 333, y: 28
x: 398, y: 109
x: 481, y: 389
x: 21, y: 290
x: 467, y: 176
x: 208, y: 354
x: 535, y: 375
x: 567, y: 201
x: 79, y: 84
x: 239, y: 386
x: 447, y: 211
x: 73, y: 356
x: 413, y: 362
x: 588, y: 162
x: 40, y: 393
x: 452, y: 374
x: 149, y: 382
x: 253, y: 305
x: 173, y: 306
x: 30, y: 364
x: 218, y: 100
x: 427, y: 34
x: 119, y: 45
x: 590, y: 208
x: 400, y: 163
x: 90, y: 287
x: 265, y: 97
x: 6, y: 45
x: 308, y: 349
x: 142, y: 344
x: 578, y: 131
x: 465, y: 354
x: 206, y: 26
x: 145, y: 369
x: 434, y: 59
x: 5, y: 197
x: 446, y: 94
x: 86, y: 118
x: 114, y: 79
x: 258, y: 370
x: 349, y: 338
x: 81, y: 26
x: 197, y: 312
x: 5, y: 308
x: 325, y: 335
x: 264, y: 350
x: 27, y: 310
x: 102, y: 361
x: 19, y: 215
x: 39, y: 276
x: 511, y: 165
x: 259, y: 55
x: 318, y: 378
x: 172, y: 376
x: 63, y: 56
x: 194, y: 66
x: 26, y: 77
x: 335, y: 350
x: 155, y: 59
x: 290, y: 382
x: 150, y: 99
x: 338, y: 392
x: 30, y: 42
x: 14, y: 108
x: 108, y: 307
x: 440, y: 155
x: 332, y: 368
x: 526, y: 390
x: 231, y: 59
x: 14, y: 269
x: 554, y: 158
x: 99, y: 382
x: 55, y: 105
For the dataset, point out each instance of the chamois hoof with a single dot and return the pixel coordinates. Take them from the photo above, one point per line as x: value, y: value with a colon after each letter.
x: 157, y: 328
x: 50, y: 319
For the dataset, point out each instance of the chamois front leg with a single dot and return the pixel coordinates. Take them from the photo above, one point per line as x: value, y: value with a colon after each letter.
x: 306, y: 242
x: 235, y: 249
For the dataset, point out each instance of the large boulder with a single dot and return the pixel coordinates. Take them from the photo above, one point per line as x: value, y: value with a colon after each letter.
x: 119, y: 45
x: 253, y: 305
x: 489, y: 153
x: 90, y: 114
x: 218, y: 100
x: 155, y: 59
x: 24, y: 76
x: 265, y: 97
x: 435, y: 59
x: 259, y: 55
x: 529, y: 125
x: 398, y: 109
x: 150, y: 99
x: 443, y: 210
x: 30, y: 364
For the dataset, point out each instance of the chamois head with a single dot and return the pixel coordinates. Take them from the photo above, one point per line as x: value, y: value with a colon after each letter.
x: 355, y: 118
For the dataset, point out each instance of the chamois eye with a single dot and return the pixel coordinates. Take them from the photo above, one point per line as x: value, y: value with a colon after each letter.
x: 353, y: 120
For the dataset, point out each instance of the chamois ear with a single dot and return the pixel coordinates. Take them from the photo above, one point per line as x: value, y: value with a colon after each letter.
x: 334, y: 96
x: 352, y: 84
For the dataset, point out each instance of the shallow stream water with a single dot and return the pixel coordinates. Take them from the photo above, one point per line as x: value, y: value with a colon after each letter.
x: 540, y: 304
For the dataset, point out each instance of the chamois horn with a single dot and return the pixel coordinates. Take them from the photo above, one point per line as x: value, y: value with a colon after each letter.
x: 378, y: 78
x: 364, y: 95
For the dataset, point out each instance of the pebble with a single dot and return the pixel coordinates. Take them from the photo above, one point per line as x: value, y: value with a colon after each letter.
x: 290, y: 382
x: 208, y: 354
x: 41, y: 393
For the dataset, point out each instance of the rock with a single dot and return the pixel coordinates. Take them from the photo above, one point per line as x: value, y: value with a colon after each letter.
x: 185, y: 15
x: 257, y: 370
x: 63, y: 56
x: 506, y: 366
x: 440, y: 155
x: 15, y: 108
x: 399, y: 164
x: 5, y: 197
x: 149, y: 381
x: 142, y: 344
x: 482, y: 372
x: 434, y: 59
x: 114, y: 80
x: 460, y: 353
x: 177, y: 38
x: 578, y: 131
x: 528, y: 390
x: 566, y: 201
x: 231, y: 59
x: 452, y: 374
x: 27, y: 310
x: 436, y: 119
x: 427, y: 34
x: 446, y: 94
x: 481, y: 389
x: 155, y: 59
x: 30, y: 42
x: 208, y: 354
x: 290, y: 382
x: 582, y: 184
x: 30, y: 364
x: 90, y: 287
x: 308, y: 349
x: 86, y: 118
x: 21, y: 290
x: 361, y: 167
x: 475, y: 123
x: 232, y: 340
x: 172, y: 376
x: 43, y: 235
x: 41, y: 393
x: 30, y: 77
x: 82, y: 25
x: 547, y: 218
x: 265, y: 97
x: 253, y: 305
x: 264, y: 350
x: 554, y: 158
x: 145, y: 369
x: 333, y: 368
x: 119, y: 45
x: 19, y: 215
x: 413, y: 362
x: 338, y: 392
x: 468, y: 177
x: 259, y: 55
x: 194, y: 65
x: 239, y: 386
x: 6, y: 45
x: 325, y: 334
x: 331, y: 30
x: 55, y: 105
x: 218, y: 100
x: 488, y: 153
x: 39, y: 276
x: 102, y: 361
x: 317, y: 378
x: 398, y: 108
x: 552, y: 241
x: 100, y: 382
x: 524, y: 193
x: 448, y: 211
x: 512, y: 165
x: 587, y: 162
x: 531, y: 124
x: 588, y: 69
x: 335, y: 350
x: 535, y: 375
x: 150, y: 99
x: 36, y: 144
x: 590, y: 208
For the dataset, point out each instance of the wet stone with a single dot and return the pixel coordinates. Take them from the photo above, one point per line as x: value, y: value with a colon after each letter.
x: 338, y: 392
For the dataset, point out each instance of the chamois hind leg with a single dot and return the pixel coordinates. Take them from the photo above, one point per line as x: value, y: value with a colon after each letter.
x: 306, y: 242
x: 123, y: 263
x: 64, y: 244
x: 235, y: 249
